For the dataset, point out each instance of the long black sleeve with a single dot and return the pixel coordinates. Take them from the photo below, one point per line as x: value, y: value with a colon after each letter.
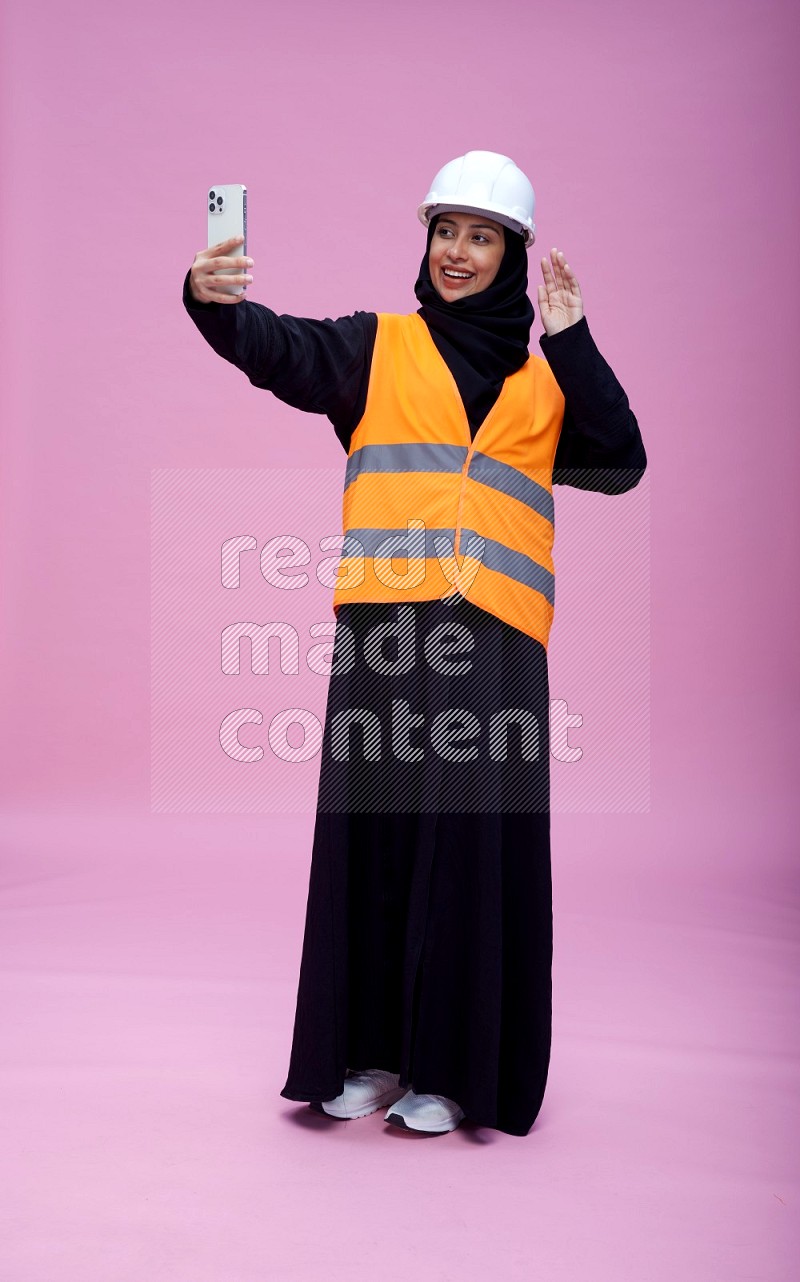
x: 600, y: 447
x: 321, y: 366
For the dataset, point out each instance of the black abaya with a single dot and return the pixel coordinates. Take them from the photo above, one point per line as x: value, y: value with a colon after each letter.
x: 428, y: 940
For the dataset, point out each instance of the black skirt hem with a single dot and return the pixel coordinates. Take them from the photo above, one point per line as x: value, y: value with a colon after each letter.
x: 299, y: 1096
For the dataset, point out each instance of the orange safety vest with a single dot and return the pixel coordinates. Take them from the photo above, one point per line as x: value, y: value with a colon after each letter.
x: 418, y: 488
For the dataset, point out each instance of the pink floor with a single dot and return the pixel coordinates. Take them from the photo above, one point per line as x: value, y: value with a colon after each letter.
x: 149, y: 969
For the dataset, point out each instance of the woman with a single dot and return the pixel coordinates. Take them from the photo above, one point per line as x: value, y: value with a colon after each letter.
x: 425, y: 979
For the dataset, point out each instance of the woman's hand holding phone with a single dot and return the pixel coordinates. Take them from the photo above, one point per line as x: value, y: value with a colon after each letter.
x: 205, y: 286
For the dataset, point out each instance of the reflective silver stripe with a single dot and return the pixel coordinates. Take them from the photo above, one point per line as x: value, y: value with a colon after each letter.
x: 515, y: 565
x: 422, y: 456
x: 418, y: 456
x: 420, y: 544
x: 417, y: 543
x: 501, y: 476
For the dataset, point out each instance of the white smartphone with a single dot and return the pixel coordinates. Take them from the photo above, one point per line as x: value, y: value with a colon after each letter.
x: 227, y: 216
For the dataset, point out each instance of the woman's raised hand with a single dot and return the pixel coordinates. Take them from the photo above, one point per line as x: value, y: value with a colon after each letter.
x: 560, y: 301
x: 205, y: 286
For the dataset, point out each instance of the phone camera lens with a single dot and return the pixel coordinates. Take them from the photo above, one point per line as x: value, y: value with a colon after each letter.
x: 211, y: 195
x: 219, y: 200
x: 212, y: 209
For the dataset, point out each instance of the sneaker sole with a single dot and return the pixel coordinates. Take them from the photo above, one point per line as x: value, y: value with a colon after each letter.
x: 388, y: 1097
x: 397, y: 1119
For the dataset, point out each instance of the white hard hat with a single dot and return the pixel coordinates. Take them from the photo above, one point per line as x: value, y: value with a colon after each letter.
x: 483, y: 182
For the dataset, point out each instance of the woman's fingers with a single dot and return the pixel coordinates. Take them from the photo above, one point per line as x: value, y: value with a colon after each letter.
x: 570, y: 280
x: 210, y: 284
x: 210, y: 279
x: 216, y: 264
x: 573, y: 282
x: 558, y: 274
x: 214, y: 283
x: 210, y: 287
x: 558, y: 268
x: 222, y: 245
x: 560, y: 302
x: 552, y: 269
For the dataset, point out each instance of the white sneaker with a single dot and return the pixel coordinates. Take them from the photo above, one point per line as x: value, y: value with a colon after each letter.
x: 363, y: 1093
x: 432, y: 1114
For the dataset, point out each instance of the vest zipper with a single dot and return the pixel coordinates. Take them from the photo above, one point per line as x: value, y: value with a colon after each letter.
x: 464, y: 471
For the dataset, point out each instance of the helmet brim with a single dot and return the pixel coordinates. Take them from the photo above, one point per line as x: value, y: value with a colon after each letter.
x: 426, y: 213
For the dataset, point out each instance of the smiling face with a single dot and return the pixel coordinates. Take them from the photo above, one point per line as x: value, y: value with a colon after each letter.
x: 465, y: 254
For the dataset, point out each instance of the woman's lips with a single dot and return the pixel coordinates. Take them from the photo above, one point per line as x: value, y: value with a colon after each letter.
x: 455, y: 281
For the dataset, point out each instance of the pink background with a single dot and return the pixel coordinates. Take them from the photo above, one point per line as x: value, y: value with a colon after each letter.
x: 149, y: 960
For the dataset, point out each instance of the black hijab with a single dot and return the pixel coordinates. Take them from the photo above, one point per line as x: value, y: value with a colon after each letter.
x: 484, y: 337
